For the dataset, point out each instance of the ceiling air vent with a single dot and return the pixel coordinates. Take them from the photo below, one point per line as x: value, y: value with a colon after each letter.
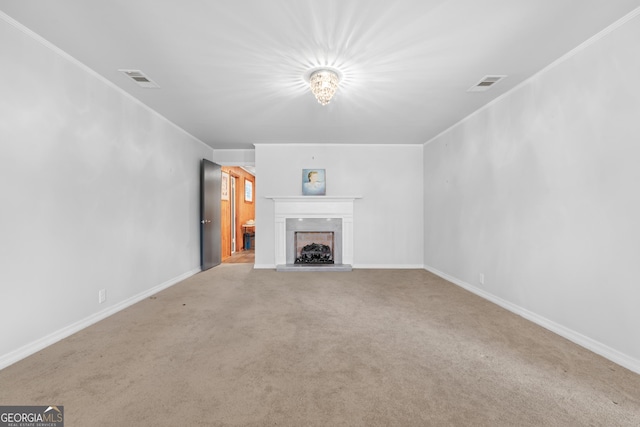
x: 140, y: 79
x: 485, y: 84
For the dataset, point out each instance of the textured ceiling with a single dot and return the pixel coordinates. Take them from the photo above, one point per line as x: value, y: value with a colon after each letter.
x: 231, y: 71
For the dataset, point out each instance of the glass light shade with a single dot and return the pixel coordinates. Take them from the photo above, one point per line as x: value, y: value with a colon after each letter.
x: 324, y: 84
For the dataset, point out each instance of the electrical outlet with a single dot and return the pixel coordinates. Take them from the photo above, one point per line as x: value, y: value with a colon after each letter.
x: 481, y: 278
x: 102, y: 296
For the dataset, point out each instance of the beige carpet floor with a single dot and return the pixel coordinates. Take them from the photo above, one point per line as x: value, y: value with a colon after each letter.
x: 235, y: 346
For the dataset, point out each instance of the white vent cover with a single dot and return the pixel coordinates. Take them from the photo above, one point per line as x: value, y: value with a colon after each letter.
x: 485, y: 84
x: 140, y: 78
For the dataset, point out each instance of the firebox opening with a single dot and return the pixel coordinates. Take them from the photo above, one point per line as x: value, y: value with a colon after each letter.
x: 314, y: 247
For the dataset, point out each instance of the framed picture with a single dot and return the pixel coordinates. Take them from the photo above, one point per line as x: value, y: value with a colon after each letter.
x: 224, y: 194
x: 248, y: 190
x: 313, y: 182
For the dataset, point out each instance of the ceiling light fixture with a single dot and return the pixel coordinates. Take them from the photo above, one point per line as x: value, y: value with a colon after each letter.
x: 324, y: 84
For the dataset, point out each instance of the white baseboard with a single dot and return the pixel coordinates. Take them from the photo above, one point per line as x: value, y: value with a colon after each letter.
x: 590, y: 344
x: 37, y: 345
x: 264, y: 266
x: 389, y: 266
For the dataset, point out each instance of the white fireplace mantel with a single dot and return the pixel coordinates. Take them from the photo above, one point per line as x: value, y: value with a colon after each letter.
x: 313, y: 207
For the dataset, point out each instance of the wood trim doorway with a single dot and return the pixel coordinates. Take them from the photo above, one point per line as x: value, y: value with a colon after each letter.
x: 244, y: 212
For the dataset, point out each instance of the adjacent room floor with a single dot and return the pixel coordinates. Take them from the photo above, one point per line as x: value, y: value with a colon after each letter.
x: 243, y: 257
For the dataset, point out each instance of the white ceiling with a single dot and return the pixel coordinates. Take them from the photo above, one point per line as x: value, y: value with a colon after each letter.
x: 231, y: 71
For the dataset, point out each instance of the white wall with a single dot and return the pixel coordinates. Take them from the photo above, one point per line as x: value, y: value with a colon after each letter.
x: 230, y: 157
x: 539, y: 192
x: 387, y: 220
x: 98, y: 192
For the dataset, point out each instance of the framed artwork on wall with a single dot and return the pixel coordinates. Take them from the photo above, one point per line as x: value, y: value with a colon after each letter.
x: 313, y: 182
x: 248, y: 190
x: 224, y: 194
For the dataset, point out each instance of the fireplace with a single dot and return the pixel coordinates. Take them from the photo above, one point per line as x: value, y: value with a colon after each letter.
x: 314, y: 247
x: 322, y: 238
x: 313, y: 214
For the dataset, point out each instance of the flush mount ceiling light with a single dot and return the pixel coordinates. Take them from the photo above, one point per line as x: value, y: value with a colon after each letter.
x: 324, y: 84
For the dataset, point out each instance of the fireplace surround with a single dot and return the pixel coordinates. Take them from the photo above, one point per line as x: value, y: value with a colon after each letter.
x: 313, y: 213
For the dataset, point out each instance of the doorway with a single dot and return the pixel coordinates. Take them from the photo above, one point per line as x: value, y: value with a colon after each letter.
x: 238, y: 215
